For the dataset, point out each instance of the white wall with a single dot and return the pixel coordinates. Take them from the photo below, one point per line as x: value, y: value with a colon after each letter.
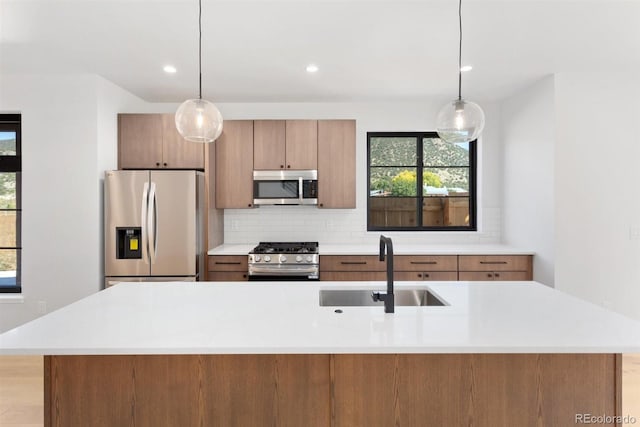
x: 349, y: 225
x: 65, y: 141
x: 528, y: 158
x: 597, y: 175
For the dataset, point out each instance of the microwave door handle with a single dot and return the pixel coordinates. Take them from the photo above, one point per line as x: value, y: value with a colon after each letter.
x: 300, y: 193
x: 143, y: 222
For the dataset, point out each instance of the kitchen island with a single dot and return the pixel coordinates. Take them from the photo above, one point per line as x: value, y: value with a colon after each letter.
x: 508, y: 353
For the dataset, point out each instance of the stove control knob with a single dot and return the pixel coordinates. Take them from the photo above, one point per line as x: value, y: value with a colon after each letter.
x: 309, y: 258
x: 283, y: 258
x: 298, y: 258
x: 267, y: 258
x: 256, y: 258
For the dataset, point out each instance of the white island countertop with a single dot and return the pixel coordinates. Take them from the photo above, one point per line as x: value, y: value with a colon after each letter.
x: 399, y: 249
x: 285, y: 317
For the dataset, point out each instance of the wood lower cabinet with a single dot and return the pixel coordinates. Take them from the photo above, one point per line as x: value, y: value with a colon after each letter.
x: 495, y: 267
x: 151, y: 141
x: 234, y: 165
x: 351, y: 268
x: 338, y: 390
x: 425, y: 267
x: 227, y: 268
x: 336, y: 164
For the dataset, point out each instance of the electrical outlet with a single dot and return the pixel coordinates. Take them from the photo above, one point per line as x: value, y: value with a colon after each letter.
x: 41, y: 307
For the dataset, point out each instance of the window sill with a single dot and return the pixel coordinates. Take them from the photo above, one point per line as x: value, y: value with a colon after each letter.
x: 11, y: 299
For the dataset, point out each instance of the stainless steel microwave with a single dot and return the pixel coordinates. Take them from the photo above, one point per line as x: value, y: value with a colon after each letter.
x: 285, y: 187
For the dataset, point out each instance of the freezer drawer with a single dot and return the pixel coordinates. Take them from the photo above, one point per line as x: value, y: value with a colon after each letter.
x: 110, y: 281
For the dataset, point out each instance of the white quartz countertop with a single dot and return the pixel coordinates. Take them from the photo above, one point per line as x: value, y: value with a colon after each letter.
x: 285, y: 317
x: 399, y: 249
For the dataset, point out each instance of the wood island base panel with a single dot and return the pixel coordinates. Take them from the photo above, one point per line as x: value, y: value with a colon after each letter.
x: 331, y: 389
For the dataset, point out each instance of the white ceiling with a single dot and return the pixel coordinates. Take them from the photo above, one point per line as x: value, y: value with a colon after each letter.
x: 366, y: 50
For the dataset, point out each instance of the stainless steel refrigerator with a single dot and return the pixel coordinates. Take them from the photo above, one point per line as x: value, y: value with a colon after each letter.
x: 153, y: 226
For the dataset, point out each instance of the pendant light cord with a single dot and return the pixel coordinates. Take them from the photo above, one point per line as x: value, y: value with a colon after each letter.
x: 460, y: 52
x: 200, y: 46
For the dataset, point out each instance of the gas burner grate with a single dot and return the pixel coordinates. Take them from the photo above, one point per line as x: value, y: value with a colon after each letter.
x: 286, y: 248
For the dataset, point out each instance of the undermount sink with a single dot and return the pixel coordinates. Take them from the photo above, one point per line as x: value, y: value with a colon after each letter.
x: 355, y: 298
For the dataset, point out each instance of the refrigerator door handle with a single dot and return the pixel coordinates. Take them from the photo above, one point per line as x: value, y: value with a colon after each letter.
x: 143, y: 222
x: 152, y: 221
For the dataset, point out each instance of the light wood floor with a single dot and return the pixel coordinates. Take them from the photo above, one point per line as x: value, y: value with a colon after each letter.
x: 21, y: 390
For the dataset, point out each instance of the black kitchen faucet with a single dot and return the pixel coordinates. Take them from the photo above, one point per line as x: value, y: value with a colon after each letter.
x: 389, y: 303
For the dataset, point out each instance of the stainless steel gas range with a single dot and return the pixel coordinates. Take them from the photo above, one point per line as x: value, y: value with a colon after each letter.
x: 284, y: 261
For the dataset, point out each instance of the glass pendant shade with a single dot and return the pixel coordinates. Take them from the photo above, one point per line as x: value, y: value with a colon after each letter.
x: 460, y: 121
x: 198, y: 120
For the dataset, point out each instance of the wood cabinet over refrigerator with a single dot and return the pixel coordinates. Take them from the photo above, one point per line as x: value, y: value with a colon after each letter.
x: 285, y: 144
x: 151, y: 141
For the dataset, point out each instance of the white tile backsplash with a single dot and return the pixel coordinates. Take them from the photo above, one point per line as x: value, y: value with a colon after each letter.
x: 338, y: 226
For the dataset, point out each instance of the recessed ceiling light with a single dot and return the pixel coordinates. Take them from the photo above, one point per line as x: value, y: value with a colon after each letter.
x: 312, y: 68
x: 169, y: 69
x: 466, y: 68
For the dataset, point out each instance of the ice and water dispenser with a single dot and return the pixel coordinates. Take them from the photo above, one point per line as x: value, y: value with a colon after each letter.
x: 129, y: 242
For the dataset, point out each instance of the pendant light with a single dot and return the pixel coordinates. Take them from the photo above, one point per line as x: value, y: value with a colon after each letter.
x: 198, y: 120
x: 460, y: 120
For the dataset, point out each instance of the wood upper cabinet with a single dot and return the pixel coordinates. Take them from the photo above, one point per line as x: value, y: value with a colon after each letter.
x: 302, y: 144
x: 177, y: 152
x: 234, y: 165
x: 269, y: 144
x: 337, y: 164
x: 285, y: 144
x: 151, y: 141
x: 139, y: 141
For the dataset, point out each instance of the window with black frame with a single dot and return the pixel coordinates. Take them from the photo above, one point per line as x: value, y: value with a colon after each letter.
x: 416, y: 181
x: 10, y: 203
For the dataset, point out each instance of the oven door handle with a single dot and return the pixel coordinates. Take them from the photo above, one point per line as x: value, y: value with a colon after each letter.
x: 270, y: 271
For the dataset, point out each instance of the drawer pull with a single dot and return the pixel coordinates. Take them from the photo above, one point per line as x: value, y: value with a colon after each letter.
x: 424, y: 262
x: 228, y: 262
x: 353, y: 262
x: 493, y: 262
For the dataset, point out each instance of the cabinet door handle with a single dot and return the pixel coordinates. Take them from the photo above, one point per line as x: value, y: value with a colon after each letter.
x: 227, y: 262
x: 288, y: 166
x: 244, y: 276
x: 426, y: 274
x: 353, y: 262
x: 497, y: 274
x: 419, y: 274
x: 281, y: 166
x: 249, y: 205
x: 424, y: 262
x: 321, y: 204
x: 157, y: 163
x: 489, y: 275
x: 493, y: 262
